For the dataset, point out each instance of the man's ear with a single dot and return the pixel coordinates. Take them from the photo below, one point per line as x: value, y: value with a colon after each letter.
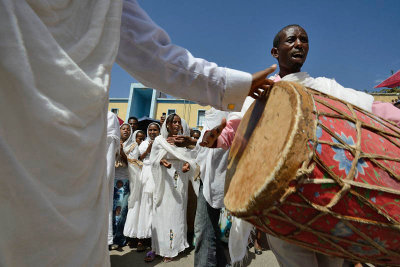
x: 274, y: 52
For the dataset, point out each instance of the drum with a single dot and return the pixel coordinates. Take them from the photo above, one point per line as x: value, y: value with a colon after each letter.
x: 320, y: 173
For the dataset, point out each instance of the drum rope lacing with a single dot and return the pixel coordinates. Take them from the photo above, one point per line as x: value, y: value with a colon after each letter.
x: 347, y: 185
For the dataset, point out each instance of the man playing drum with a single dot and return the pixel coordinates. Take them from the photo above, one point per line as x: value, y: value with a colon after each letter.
x: 290, y: 48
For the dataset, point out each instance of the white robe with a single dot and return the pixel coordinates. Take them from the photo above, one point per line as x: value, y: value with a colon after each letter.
x: 131, y: 150
x: 56, y: 58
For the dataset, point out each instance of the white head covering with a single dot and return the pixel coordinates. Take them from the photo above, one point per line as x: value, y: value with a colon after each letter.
x: 185, y: 129
x: 144, y: 145
x: 147, y: 131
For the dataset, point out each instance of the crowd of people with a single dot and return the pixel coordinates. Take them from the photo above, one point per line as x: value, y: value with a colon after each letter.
x: 56, y: 67
x: 169, y: 168
x: 151, y: 184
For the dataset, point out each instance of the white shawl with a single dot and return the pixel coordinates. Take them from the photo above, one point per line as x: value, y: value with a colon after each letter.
x: 331, y: 87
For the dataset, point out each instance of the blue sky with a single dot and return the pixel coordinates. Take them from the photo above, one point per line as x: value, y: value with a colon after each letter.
x: 355, y: 42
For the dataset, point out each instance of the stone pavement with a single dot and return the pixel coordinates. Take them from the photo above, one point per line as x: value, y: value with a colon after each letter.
x: 127, y: 257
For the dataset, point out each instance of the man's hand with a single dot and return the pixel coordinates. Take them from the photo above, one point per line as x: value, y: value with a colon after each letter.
x: 261, y: 83
x: 210, y: 137
x: 181, y: 140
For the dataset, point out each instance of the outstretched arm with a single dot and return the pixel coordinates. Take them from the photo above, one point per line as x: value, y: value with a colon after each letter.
x: 147, y: 53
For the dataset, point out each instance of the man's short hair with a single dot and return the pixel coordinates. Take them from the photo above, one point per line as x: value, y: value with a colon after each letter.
x: 133, y: 118
x: 277, y: 38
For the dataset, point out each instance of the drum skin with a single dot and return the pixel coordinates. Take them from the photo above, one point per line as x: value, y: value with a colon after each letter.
x: 320, y: 173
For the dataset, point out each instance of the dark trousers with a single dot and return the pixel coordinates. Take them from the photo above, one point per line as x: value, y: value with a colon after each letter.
x: 209, y: 251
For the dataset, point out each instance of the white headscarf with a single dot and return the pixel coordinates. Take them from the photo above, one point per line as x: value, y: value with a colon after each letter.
x: 160, y: 148
x: 185, y: 129
x: 144, y: 145
x: 147, y: 131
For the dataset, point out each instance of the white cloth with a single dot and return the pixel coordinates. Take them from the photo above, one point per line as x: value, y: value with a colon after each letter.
x: 56, y: 58
x: 113, y: 137
x: 331, y: 87
x: 139, y: 218
x: 213, y: 163
x: 131, y: 150
x: 170, y: 197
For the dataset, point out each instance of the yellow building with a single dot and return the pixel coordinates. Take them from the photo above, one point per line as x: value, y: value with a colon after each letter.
x: 119, y: 106
x: 191, y: 112
x: 386, y: 97
x: 147, y: 103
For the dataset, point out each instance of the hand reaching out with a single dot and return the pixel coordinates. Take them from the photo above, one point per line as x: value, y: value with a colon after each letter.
x: 181, y: 140
x: 211, y: 136
x: 260, y: 83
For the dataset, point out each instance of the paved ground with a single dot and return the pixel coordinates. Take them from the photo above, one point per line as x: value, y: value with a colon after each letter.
x: 127, y: 257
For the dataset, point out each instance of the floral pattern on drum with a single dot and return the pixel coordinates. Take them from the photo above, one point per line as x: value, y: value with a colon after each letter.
x: 356, y: 216
x: 341, y: 157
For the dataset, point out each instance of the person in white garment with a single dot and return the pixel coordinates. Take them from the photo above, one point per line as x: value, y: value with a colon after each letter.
x: 113, y: 145
x: 131, y: 149
x: 143, y: 199
x: 172, y: 168
x: 290, y: 48
x: 56, y: 59
x: 209, y: 250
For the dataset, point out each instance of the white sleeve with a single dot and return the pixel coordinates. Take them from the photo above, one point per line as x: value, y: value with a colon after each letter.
x: 146, y: 52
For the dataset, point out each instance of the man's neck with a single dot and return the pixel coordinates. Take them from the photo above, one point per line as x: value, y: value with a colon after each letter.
x: 283, y: 72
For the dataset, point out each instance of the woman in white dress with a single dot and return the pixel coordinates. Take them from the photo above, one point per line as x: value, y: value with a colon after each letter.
x: 144, y: 190
x: 172, y: 169
x: 131, y: 149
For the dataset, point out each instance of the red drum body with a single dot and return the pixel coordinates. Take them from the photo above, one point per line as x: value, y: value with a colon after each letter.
x: 334, y: 182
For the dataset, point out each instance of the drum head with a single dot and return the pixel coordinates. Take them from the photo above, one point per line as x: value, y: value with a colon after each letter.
x: 270, y: 145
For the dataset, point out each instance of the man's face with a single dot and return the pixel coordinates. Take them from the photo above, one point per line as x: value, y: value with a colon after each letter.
x: 134, y: 124
x: 293, y: 49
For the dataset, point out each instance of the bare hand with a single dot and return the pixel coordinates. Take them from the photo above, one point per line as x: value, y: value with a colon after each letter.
x: 186, y: 167
x: 211, y: 136
x: 181, y: 140
x: 165, y: 163
x: 261, y: 83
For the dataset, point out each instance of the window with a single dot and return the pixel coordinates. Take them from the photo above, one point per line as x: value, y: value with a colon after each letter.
x: 201, y: 115
x: 115, y: 111
x: 171, y: 111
